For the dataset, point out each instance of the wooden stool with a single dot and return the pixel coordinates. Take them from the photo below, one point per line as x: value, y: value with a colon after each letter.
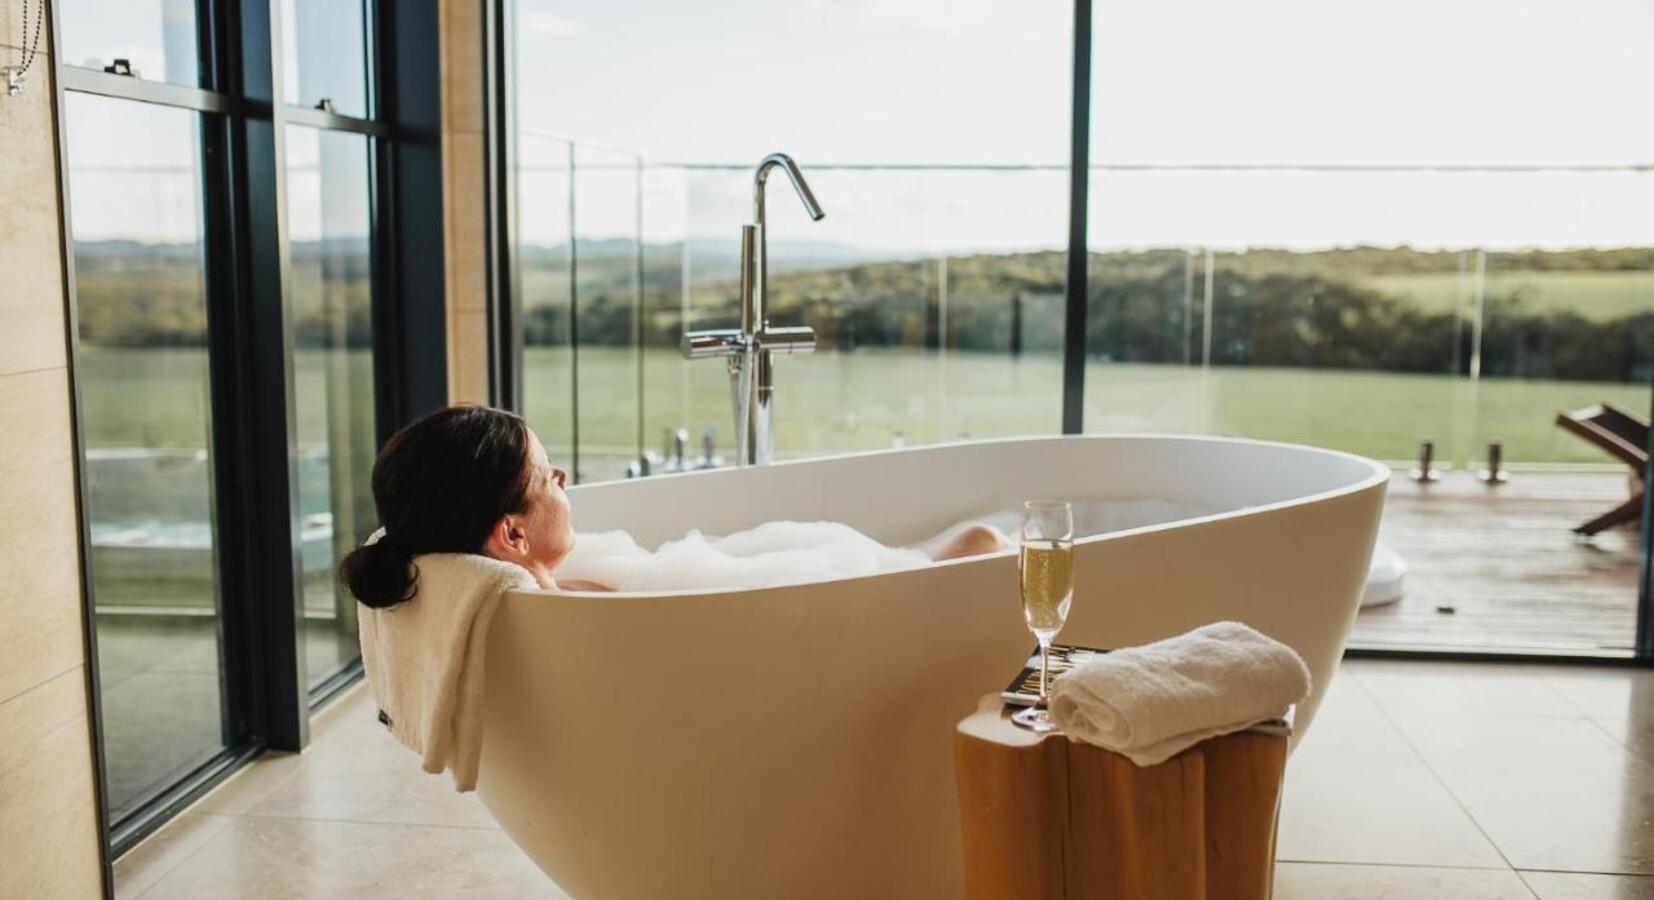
x: 1047, y: 818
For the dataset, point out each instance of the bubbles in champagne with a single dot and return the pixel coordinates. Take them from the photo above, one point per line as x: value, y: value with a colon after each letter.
x: 1047, y: 584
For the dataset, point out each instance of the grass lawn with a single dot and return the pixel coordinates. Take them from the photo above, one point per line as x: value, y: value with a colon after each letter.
x: 1598, y: 296
x: 851, y: 401
x: 862, y: 400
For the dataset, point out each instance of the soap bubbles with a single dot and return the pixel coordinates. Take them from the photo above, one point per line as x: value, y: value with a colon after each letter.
x: 777, y: 553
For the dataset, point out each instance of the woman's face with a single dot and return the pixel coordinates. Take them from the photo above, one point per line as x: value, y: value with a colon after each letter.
x: 545, y: 526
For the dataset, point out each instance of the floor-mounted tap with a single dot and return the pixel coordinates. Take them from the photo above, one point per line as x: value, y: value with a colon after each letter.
x: 749, y: 348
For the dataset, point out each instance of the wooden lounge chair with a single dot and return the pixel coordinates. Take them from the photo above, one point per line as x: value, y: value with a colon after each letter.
x: 1623, y: 436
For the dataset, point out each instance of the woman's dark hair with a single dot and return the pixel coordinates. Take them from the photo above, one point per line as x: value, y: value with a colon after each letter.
x: 440, y: 485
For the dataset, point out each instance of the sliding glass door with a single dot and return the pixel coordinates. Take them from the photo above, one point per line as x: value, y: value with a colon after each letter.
x: 241, y: 182
x: 330, y: 163
x: 331, y: 277
x: 146, y: 402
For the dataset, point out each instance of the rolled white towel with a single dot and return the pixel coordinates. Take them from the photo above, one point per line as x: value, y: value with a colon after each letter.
x: 1152, y: 702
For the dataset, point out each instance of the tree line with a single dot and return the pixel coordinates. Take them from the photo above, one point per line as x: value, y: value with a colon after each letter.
x: 1269, y: 307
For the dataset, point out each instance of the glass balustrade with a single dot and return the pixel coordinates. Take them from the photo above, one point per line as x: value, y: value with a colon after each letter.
x: 1358, y: 315
x: 1289, y: 239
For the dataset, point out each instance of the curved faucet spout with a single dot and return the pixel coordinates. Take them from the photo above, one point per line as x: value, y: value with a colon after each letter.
x: 801, y: 186
x: 750, y: 348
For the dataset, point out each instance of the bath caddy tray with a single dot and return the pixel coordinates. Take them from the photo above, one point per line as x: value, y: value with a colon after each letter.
x: 1024, y: 689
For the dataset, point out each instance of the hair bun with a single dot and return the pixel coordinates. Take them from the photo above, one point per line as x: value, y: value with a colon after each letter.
x: 379, y: 574
x: 440, y: 485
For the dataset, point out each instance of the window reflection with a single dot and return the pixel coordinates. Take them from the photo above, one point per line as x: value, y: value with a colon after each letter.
x: 324, y: 51
x: 142, y: 377
x: 332, y: 304
x: 158, y: 37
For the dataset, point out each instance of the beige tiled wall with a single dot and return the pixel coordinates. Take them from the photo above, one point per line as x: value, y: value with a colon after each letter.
x: 463, y: 194
x: 48, y: 825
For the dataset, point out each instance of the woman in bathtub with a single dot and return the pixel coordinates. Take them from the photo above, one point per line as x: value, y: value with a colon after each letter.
x: 470, y: 479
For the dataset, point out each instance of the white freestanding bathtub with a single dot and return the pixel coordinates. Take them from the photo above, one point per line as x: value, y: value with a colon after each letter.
x: 796, y: 741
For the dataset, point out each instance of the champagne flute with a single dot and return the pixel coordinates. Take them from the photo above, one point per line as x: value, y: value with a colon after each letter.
x: 1047, y: 567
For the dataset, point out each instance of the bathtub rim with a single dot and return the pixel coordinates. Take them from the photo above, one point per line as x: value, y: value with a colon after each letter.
x: 1378, y: 475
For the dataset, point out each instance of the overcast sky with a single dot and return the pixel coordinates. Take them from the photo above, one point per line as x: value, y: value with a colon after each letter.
x: 1265, y: 81
x: 1310, y: 82
x: 962, y: 82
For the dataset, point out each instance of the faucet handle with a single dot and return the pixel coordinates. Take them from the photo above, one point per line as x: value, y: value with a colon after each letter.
x: 705, y: 344
x: 787, y: 339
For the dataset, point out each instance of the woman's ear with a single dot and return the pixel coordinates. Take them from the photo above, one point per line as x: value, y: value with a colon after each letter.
x: 508, y: 540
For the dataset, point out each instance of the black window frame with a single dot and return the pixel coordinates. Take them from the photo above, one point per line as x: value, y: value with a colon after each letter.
x: 242, y: 118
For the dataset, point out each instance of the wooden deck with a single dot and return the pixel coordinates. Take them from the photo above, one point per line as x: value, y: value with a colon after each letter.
x: 1500, y: 568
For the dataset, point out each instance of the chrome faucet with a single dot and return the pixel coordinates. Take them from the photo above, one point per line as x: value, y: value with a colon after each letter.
x: 749, y: 348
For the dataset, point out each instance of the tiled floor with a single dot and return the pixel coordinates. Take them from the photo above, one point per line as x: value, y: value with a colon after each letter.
x: 1420, y: 781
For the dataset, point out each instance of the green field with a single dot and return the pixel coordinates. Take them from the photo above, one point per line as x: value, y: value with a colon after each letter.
x: 853, y: 401
x: 1597, y: 296
x: 158, y: 400
x: 158, y: 397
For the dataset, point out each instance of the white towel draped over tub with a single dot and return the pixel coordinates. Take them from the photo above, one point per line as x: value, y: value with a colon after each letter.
x: 1152, y: 702
x: 424, y: 658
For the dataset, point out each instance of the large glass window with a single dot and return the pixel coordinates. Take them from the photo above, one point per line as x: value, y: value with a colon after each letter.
x: 1292, y: 237
x: 146, y: 414
x: 331, y: 276
x: 934, y: 284
x: 228, y: 285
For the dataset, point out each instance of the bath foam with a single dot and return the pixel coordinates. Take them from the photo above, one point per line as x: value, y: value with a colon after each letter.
x: 777, y: 553
x: 771, y: 554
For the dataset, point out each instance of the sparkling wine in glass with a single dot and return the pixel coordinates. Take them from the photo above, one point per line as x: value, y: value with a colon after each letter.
x: 1047, y: 567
